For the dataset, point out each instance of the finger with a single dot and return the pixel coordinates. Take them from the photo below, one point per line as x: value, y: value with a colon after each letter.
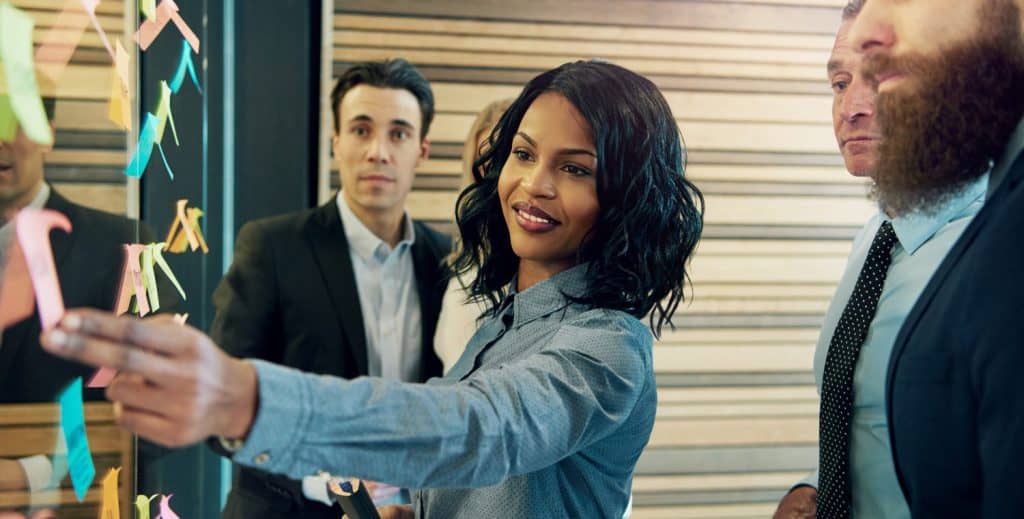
x: 160, y: 335
x: 103, y: 353
x: 155, y: 428
x: 138, y: 394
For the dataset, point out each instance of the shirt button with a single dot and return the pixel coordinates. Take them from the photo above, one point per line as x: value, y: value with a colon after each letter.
x: 262, y: 458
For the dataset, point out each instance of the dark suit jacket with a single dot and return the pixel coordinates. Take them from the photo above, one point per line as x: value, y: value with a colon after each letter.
x: 290, y: 297
x: 89, y: 262
x: 955, y: 388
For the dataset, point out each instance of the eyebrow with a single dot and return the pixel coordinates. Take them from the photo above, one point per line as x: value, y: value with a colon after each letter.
x: 566, y: 151
x: 834, y: 65
x: 394, y: 122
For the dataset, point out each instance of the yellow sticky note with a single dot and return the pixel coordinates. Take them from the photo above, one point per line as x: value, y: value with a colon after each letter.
x: 164, y: 114
x: 119, y: 109
x: 110, y: 507
x: 19, y: 74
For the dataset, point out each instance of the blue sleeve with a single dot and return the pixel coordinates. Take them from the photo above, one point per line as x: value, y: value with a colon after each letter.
x: 510, y: 420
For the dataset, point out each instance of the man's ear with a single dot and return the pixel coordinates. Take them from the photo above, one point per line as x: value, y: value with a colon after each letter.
x: 424, y: 150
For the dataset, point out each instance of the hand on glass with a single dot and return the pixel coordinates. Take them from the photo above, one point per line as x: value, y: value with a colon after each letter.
x: 179, y: 388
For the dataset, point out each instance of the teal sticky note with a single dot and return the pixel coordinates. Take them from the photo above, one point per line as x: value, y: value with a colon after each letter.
x: 185, y: 64
x: 147, y: 138
x: 19, y: 73
x: 72, y: 421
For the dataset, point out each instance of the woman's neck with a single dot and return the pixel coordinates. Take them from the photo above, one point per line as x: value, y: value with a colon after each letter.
x: 532, y: 272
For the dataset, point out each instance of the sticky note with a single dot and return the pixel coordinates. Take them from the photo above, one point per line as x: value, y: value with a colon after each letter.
x: 16, y: 297
x: 90, y: 9
x: 185, y: 64
x: 8, y: 121
x: 110, y: 508
x: 102, y: 378
x: 158, y: 257
x: 120, y: 108
x: 142, y: 506
x: 164, y: 114
x: 166, y: 12
x: 72, y: 420
x: 147, y: 138
x: 148, y: 8
x: 19, y: 73
x: 131, y: 278
x: 32, y: 227
x: 180, y: 318
x: 165, y: 508
x: 181, y: 230
x: 58, y: 44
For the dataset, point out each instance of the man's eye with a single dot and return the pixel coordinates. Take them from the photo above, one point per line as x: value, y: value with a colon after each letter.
x: 360, y: 131
x: 839, y: 86
x: 399, y: 135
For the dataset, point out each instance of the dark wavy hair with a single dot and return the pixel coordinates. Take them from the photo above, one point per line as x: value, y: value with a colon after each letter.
x: 650, y: 217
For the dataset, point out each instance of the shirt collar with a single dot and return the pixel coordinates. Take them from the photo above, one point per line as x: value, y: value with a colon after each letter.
x: 916, y: 228
x: 549, y: 295
x: 1014, y: 147
x: 366, y: 244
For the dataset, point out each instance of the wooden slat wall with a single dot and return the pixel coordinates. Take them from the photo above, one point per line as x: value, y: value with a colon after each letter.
x: 89, y: 155
x: 737, y: 417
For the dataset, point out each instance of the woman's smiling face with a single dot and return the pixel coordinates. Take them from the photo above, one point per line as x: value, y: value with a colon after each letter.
x: 548, y: 186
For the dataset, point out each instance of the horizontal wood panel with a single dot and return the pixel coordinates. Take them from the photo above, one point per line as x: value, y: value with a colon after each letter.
x: 716, y: 481
x: 741, y: 431
x: 30, y: 440
x: 738, y: 358
x: 111, y: 198
x: 582, y: 32
x: 759, y: 511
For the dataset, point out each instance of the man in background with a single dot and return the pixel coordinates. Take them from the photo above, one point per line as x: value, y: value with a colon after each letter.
x: 892, y: 259
x: 347, y: 289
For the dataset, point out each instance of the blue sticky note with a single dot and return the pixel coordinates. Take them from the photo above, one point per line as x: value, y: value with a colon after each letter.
x: 147, y: 138
x: 72, y: 421
x: 166, y: 164
x: 185, y: 64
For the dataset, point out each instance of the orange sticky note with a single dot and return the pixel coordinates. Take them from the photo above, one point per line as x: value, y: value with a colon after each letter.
x: 131, y: 281
x: 90, y: 9
x: 110, y: 508
x: 33, y: 229
x: 166, y: 12
x: 186, y: 228
x: 16, y: 297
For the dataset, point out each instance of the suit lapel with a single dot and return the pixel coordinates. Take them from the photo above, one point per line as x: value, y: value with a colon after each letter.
x: 991, y: 209
x: 330, y: 248
x: 427, y: 267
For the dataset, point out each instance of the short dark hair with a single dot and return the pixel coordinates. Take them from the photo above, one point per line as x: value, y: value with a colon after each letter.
x: 650, y: 216
x: 391, y: 73
x: 852, y: 9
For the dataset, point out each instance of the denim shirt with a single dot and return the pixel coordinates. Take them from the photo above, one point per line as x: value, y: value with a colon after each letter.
x: 544, y: 415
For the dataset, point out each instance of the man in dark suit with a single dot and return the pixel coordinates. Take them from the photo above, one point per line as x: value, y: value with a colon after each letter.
x: 350, y: 288
x: 950, y: 77
x: 88, y: 261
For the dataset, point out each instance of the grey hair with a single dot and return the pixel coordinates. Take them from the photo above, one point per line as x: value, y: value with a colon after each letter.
x: 852, y: 9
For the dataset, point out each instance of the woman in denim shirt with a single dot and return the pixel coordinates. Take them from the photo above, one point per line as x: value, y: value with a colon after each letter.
x: 579, y: 225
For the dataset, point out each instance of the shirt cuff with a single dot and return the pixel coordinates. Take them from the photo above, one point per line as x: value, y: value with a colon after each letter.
x: 810, y: 481
x: 38, y: 471
x: 281, y: 419
x: 315, y: 488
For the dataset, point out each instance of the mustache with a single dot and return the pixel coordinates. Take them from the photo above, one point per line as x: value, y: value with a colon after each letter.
x: 875, y: 65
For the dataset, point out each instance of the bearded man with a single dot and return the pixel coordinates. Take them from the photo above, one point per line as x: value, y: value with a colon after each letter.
x: 950, y: 81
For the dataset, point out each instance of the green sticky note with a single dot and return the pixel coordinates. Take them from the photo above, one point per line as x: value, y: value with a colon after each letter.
x: 149, y: 279
x: 163, y: 114
x: 159, y: 257
x: 142, y: 506
x: 148, y: 8
x: 20, y: 75
x: 8, y: 121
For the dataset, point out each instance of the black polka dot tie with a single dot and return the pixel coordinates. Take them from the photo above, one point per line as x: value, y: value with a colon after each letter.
x: 834, y: 500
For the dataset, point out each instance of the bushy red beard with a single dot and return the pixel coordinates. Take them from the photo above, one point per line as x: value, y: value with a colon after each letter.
x: 953, y: 115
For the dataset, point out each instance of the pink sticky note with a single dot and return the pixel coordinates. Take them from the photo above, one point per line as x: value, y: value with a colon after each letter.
x: 16, y: 297
x: 102, y: 377
x: 131, y: 281
x: 33, y: 229
x: 90, y: 9
x: 186, y: 31
x: 180, y: 318
x: 165, y: 508
x: 150, y: 29
x: 60, y: 40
